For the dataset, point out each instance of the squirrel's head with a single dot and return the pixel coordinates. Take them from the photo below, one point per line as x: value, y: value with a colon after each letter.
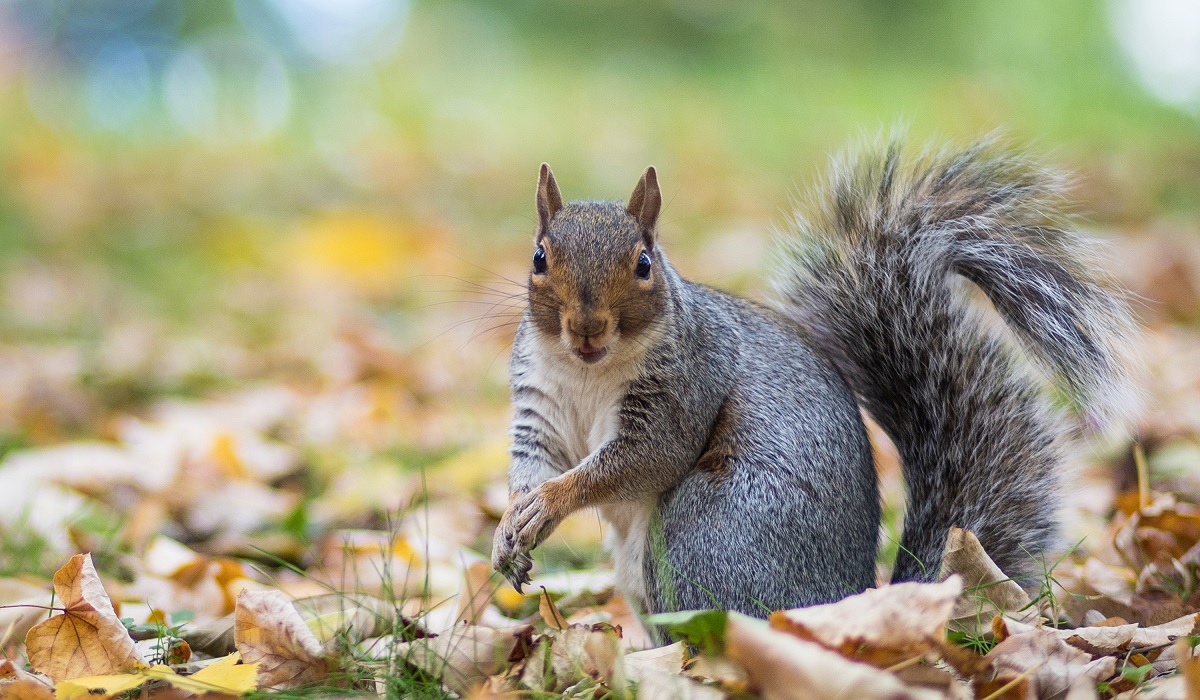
x: 597, y: 280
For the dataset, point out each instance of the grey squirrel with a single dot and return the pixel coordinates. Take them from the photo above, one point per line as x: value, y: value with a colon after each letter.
x: 721, y: 440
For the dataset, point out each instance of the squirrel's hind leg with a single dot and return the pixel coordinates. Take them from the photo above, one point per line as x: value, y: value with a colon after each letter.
x: 771, y: 518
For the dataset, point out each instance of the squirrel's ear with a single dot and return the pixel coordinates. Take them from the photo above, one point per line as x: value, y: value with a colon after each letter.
x: 549, y: 199
x: 644, y: 204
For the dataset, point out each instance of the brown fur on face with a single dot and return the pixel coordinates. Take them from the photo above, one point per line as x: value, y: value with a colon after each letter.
x: 590, y: 294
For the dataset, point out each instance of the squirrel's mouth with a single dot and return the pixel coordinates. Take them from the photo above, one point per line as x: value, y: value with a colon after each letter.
x: 590, y: 354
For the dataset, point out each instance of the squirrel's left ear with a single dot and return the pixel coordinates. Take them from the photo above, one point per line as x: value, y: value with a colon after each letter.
x: 645, y: 203
x: 549, y: 199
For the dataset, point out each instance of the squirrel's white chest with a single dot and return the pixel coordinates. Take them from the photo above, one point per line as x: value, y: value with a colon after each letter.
x: 584, y: 413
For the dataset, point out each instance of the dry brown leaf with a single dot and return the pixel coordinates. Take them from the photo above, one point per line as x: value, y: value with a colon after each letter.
x: 1165, y: 529
x: 782, y: 665
x: 668, y: 659
x: 1173, y: 688
x: 721, y: 669
x: 25, y: 689
x: 477, y: 593
x: 578, y: 652
x: 1096, y: 588
x: 87, y: 639
x: 1166, y: 632
x: 987, y: 590
x: 1096, y: 641
x: 1099, y: 640
x: 882, y: 626
x: 1158, y: 641
x: 463, y: 657
x: 550, y: 613
x: 657, y: 685
x: 1037, y: 662
x: 1189, y: 668
x: 270, y: 632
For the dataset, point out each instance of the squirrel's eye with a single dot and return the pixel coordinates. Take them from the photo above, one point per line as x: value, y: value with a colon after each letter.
x: 643, y: 266
x: 539, y: 260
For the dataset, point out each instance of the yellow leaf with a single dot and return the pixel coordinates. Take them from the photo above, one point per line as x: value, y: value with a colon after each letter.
x: 269, y: 632
x: 98, y: 687
x: 88, y: 639
x: 227, y: 675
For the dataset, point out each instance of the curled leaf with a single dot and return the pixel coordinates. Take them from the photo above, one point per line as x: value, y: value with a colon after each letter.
x: 268, y: 631
x: 87, y: 639
x: 883, y: 626
x: 782, y: 665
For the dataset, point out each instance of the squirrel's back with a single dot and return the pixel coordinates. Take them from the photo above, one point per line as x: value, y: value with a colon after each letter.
x: 874, y: 271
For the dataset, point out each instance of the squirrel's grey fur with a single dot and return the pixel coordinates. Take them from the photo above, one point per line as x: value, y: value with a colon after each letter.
x: 721, y: 439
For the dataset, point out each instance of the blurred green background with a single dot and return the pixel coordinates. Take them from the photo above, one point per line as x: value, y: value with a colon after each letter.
x: 196, y: 195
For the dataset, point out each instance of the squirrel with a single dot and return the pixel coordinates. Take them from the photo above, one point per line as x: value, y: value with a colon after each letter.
x: 722, y: 440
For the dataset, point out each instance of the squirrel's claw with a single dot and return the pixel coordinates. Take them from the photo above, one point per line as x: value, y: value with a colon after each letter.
x: 525, y: 524
x: 516, y: 569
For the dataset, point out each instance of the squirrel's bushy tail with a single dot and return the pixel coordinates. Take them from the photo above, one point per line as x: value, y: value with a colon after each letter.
x: 870, y: 272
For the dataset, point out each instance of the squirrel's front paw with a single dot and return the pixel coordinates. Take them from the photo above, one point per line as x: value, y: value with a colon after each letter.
x: 526, y: 523
x: 512, y: 564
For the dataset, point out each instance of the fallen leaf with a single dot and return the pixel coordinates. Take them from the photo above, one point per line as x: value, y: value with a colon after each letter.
x: 268, y: 631
x: 987, y: 591
x: 587, y: 652
x: 87, y: 639
x: 782, y: 665
x: 26, y: 689
x: 1172, y: 688
x: 1189, y: 668
x: 882, y: 626
x: 1167, y: 632
x: 227, y: 675
x: 550, y: 613
x: 668, y: 659
x: 1165, y: 529
x: 477, y: 593
x: 721, y: 669
x: 656, y: 684
x: 1038, y: 660
x: 99, y: 687
x: 580, y: 653
x: 463, y: 657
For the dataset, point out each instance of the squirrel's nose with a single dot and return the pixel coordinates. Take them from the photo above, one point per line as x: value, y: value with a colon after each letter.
x: 588, y: 328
